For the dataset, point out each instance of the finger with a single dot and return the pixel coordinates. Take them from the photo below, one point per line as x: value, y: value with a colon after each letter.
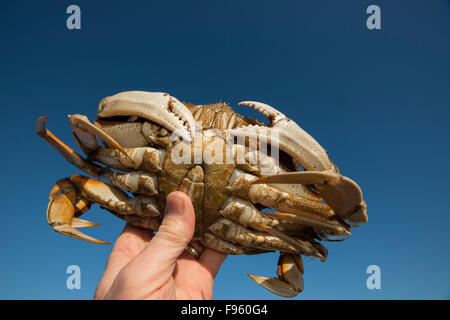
x: 212, y: 260
x: 129, y: 243
x: 156, y: 263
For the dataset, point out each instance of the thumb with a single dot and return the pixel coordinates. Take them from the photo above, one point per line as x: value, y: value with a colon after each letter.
x: 161, y: 254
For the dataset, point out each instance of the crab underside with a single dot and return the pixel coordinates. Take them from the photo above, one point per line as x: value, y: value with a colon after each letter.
x: 255, y: 188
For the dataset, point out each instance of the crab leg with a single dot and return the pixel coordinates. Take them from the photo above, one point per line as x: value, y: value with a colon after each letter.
x: 67, y: 152
x: 220, y: 245
x: 342, y: 194
x: 290, y: 277
x: 235, y: 233
x: 71, y: 197
x: 150, y: 223
x: 113, y: 198
x: 115, y: 156
x: 326, y: 229
x: 245, y: 214
x: 143, y: 158
x: 135, y: 134
x: 62, y: 208
x: 136, y: 181
x: 258, y: 163
x: 309, y: 213
x: 85, y: 134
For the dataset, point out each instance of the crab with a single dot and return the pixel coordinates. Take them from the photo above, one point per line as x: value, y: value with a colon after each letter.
x: 286, y: 199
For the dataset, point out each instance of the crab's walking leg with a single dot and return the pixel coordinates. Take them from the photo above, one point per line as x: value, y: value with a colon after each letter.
x: 342, y: 194
x: 290, y: 277
x: 136, y: 134
x: 144, y: 158
x: 63, y: 207
x: 235, y: 233
x: 221, y: 245
x: 298, y: 210
x: 85, y: 134
x: 257, y: 162
x: 70, y: 197
x: 149, y: 223
x: 290, y: 267
x: 113, y: 198
x: 339, y: 192
x: 67, y: 152
x: 140, y: 182
x: 243, y: 212
x: 135, y: 181
x: 114, y: 156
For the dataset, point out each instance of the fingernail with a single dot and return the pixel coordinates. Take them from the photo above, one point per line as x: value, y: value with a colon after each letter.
x: 175, y: 205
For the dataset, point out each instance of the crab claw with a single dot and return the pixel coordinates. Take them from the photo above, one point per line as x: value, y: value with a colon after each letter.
x: 158, y: 107
x: 287, y: 136
x: 342, y: 194
x: 304, y: 247
x: 270, y: 112
x: 63, y: 208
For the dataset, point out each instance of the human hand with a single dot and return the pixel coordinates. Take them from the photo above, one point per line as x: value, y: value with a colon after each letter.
x: 147, y: 266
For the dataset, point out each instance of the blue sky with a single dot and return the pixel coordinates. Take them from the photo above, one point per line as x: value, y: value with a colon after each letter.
x: 377, y: 100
